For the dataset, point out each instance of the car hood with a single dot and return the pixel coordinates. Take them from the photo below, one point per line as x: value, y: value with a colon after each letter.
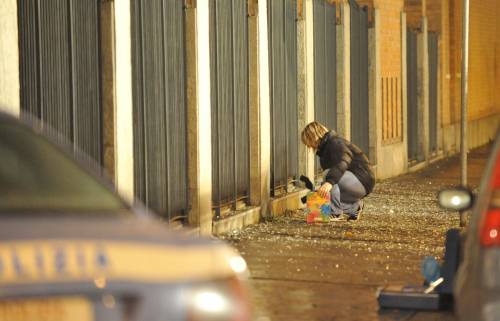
x: 54, y: 249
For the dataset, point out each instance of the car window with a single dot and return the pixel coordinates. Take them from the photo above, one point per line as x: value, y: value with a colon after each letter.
x: 36, y: 177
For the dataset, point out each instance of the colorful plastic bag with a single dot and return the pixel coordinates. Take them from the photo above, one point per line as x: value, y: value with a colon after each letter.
x: 318, y: 208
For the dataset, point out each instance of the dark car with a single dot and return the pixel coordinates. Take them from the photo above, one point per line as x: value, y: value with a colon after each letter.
x: 477, y: 283
x: 72, y: 249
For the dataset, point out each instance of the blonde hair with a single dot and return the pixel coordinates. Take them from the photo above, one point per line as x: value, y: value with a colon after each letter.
x: 312, y: 134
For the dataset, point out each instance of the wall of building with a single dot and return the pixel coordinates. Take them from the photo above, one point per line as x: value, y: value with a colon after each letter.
x: 392, y: 150
x: 390, y: 36
x: 444, y: 65
x: 445, y: 17
x: 484, y: 68
x: 484, y: 65
x: 387, y: 66
x: 9, y: 62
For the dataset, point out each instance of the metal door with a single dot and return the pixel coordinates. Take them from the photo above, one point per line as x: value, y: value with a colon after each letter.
x: 414, y: 153
x: 60, y: 68
x: 229, y: 86
x: 284, y: 111
x: 359, y: 76
x: 325, y: 64
x: 433, y: 90
x: 159, y: 105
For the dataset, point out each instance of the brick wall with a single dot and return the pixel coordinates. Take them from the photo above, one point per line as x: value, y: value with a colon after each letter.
x: 484, y: 58
x: 413, y: 9
x: 483, y: 61
x: 455, y: 43
x: 444, y: 59
x: 390, y: 42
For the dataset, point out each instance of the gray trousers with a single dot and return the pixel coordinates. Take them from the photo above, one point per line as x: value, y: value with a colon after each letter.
x: 346, y: 195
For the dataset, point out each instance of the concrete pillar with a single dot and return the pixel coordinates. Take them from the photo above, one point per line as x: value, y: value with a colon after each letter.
x: 199, y: 116
x: 423, y: 89
x: 305, y: 61
x: 302, y: 87
x: 404, y: 87
x: 373, y: 86
x: 253, y: 102
x: 124, y: 139
x: 9, y: 58
x: 108, y: 84
x: 264, y: 108
x: 192, y: 117
x: 344, y: 72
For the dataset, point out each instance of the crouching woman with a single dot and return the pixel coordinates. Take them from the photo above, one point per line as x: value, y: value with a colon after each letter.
x: 349, y: 178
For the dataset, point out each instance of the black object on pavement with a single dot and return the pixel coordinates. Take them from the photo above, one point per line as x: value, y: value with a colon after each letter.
x: 408, y: 297
x: 427, y: 297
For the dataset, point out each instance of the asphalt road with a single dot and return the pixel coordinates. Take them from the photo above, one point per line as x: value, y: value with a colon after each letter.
x: 332, y: 271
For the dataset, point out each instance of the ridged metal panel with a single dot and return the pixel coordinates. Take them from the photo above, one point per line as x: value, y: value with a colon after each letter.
x: 55, y: 65
x: 412, y: 72
x: 29, y: 53
x: 291, y: 106
x: 86, y: 81
x: 277, y: 76
x: 320, y: 61
x: 363, y: 140
x: 160, y: 169
x: 331, y: 65
x: 284, y: 111
x: 229, y: 80
x: 224, y: 118
x: 60, y: 71
x: 154, y: 106
x: 433, y: 91
x: 359, y: 76
x: 137, y: 99
x: 241, y: 110
x: 214, y: 100
x: 325, y: 65
x: 175, y: 89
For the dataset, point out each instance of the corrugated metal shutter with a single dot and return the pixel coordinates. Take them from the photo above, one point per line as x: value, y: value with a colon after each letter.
x: 60, y: 68
x: 359, y: 76
x: 325, y: 65
x: 229, y: 85
x: 414, y: 152
x: 284, y: 110
x: 159, y: 104
x: 433, y: 90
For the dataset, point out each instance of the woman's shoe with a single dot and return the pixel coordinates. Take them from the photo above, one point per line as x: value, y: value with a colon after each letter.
x: 337, y: 218
x: 358, y: 213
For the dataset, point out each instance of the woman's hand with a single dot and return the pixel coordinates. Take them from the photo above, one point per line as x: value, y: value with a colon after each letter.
x: 324, y: 190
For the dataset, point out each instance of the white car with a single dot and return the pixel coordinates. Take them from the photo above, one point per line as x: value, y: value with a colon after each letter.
x: 72, y: 249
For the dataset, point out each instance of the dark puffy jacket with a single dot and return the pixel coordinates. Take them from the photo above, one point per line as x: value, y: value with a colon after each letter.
x: 338, y: 155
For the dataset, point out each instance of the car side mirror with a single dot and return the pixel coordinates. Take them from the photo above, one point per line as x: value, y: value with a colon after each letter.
x: 458, y: 199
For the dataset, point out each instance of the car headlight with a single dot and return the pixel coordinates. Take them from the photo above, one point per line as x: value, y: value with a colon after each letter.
x: 223, y: 300
x: 238, y: 265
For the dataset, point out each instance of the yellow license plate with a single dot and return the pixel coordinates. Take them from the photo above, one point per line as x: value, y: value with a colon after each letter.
x: 47, y: 309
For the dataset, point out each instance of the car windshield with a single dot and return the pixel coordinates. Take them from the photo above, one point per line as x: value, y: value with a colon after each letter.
x: 37, y: 177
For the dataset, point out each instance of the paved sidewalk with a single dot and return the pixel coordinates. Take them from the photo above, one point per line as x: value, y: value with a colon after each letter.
x: 332, y: 271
